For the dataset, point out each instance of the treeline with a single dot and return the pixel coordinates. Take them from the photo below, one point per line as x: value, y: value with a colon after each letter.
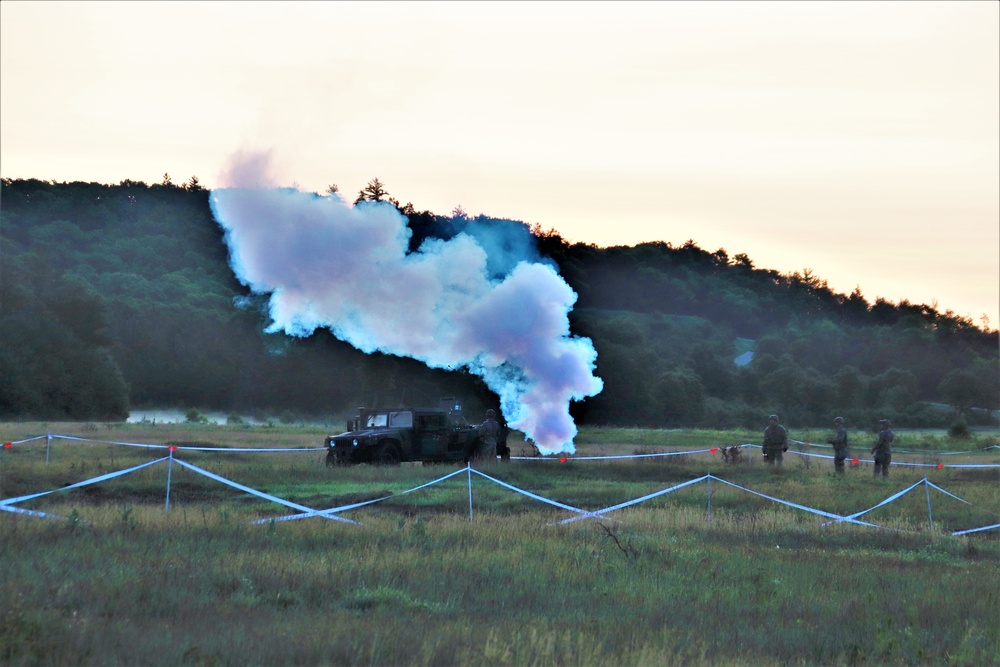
x: 119, y: 296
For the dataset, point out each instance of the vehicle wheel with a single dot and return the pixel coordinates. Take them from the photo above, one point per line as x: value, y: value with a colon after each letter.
x: 388, y: 454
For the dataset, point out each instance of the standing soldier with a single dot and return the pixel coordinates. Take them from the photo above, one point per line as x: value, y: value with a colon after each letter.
x: 882, y: 449
x: 839, y: 442
x: 488, y: 432
x: 775, y: 441
x: 503, y: 450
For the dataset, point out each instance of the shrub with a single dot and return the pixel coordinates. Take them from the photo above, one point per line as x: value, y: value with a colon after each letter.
x: 959, y: 429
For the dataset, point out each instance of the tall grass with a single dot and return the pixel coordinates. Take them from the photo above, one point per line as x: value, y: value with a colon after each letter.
x: 676, y: 580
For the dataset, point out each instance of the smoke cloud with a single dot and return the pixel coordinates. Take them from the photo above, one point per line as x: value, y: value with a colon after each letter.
x: 326, y: 263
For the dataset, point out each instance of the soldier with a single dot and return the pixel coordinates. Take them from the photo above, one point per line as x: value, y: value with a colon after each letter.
x: 839, y: 442
x: 488, y: 432
x: 775, y: 442
x: 882, y: 449
x: 503, y: 449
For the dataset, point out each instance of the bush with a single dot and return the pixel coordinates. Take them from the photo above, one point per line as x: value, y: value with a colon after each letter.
x: 959, y: 429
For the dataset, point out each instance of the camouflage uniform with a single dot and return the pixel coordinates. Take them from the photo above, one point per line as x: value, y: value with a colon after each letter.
x: 775, y: 442
x: 839, y: 442
x: 488, y: 432
x: 882, y: 449
x: 503, y: 449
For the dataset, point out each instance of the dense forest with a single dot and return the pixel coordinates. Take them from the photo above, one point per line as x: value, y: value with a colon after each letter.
x: 120, y: 296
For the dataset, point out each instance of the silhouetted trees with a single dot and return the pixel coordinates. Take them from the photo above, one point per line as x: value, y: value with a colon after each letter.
x: 122, y: 294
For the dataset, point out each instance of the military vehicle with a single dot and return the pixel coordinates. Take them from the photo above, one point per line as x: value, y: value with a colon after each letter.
x: 390, y: 437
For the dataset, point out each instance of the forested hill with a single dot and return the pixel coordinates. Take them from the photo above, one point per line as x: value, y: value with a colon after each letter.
x: 121, y: 295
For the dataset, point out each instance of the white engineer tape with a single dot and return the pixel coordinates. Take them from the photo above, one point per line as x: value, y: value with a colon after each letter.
x: 342, y: 508
x: 255, y: 492
x: 563, y: 459
x: 529, y: 494
x: 977, y: 530
x: 86, y: 482
x: 331, y: 513
x: 886, y: 501
x: 795, y: 505
x: 19, y: 510
x: 21, y: 442
x: 637, y: 500
x: 196, y: 449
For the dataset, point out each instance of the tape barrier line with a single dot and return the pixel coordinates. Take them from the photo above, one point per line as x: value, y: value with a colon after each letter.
x: 603, y: 458
x: 905, y: 463
x: 811, y: 510
x: 86, y: 482
x: 633, y: 502
x: 255, y: 492
x: 188, y: 448
x: 803, y: 443
x: 977, y: 530
x: 21, y: 510
x: 952, y: 495
x: 343, y: 508
x: 21, y: 442
x: 330, y: 513
x: 884, y: 502
x: 529, y: 494
x: 108, y: 442
x: 541, y: 458
x: 811, y: 455
x: 955, y: 465
x: 253, y: 450
x: 902, y: 451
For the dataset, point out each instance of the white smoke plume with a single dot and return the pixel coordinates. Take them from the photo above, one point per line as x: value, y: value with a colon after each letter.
x: 329, y: 264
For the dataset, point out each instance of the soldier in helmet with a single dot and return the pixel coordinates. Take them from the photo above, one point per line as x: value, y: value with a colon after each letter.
x: 882, y: 449
x: 489, y: 431
x: 503, y: 449
x: 839, y: 442
x: 775, y: 442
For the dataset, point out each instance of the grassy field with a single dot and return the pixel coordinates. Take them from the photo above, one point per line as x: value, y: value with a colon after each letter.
x: 705, y: 575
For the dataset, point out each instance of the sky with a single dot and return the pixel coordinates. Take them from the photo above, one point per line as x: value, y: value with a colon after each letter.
x: 858, y: 140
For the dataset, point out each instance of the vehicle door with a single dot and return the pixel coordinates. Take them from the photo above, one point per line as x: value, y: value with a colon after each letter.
x: 431, y: 435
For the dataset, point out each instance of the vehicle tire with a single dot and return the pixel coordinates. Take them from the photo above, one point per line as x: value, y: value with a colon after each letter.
x: 388, y: 454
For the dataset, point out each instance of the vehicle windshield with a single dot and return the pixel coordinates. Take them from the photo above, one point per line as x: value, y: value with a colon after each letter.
x: 401, y: 419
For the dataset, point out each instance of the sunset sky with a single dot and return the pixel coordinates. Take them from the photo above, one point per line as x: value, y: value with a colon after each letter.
x: 860, y: 140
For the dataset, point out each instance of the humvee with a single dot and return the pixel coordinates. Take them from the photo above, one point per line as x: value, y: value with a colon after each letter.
x: 390, y: 437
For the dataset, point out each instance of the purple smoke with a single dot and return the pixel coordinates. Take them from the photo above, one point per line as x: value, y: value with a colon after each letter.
x: 328, y: 264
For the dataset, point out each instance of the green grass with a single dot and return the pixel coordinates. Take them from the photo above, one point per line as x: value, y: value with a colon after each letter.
x: 121, y: 581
